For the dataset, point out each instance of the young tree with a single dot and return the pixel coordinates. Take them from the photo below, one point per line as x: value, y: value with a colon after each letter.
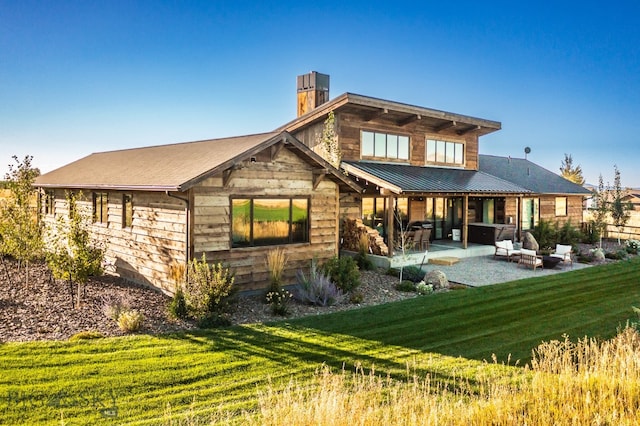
x: 74, y: 255
x: 601, y: 209
x: 21, y: 232
x: 619, y: 209
x: 569, y: 172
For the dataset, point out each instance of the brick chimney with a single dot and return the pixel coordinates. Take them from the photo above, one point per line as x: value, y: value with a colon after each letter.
x: 313, y: 91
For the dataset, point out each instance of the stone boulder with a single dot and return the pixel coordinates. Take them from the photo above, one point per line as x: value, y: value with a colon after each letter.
x: 529, y: 242
x: 437, y: 279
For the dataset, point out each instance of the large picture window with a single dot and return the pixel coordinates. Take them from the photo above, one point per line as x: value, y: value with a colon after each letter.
x: 269, y: 221
x: 445, y: 152
x: 100, y: 207
x: 384, y: 145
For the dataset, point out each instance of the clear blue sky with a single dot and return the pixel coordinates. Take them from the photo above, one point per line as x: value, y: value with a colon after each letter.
x: 78, y: 77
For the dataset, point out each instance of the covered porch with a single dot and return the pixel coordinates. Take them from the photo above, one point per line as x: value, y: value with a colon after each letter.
x: 462, y: 211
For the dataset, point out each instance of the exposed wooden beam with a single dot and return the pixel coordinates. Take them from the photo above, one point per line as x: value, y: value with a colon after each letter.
x: 318, y: 175
x: 409, y: 119
x: 445, y: 126
x: 376, y: 114
x: 275, y: 150
x: 468, y: 130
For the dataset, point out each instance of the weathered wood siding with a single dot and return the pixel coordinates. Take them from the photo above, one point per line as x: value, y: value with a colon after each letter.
x: 287, y: 176
x: 144, y: 252
x: 574, y: 210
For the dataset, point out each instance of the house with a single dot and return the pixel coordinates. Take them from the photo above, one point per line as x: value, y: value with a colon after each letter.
x: 234, y: 199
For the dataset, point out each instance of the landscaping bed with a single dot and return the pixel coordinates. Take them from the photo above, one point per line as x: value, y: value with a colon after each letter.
x: 42, y: 309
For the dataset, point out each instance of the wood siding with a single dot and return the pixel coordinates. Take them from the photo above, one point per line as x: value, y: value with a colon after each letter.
x: 144, y: 252
x: 349, y: 126
x: 287, y: 176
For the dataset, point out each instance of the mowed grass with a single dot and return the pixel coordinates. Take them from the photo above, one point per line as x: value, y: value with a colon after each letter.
x: 447, y: 336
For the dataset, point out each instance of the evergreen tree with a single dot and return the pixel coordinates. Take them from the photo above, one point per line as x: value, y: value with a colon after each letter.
x: 569, y: 172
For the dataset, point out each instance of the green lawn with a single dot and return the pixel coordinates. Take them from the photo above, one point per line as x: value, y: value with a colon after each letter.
x: 147, y: 379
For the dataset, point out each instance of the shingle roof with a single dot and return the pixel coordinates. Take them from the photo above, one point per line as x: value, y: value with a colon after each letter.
x: 174, y: 167
x: 529, y: 175
x: 406, y: 178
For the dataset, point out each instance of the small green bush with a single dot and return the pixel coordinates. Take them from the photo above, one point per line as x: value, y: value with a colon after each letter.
x: 406, y: 285
x: 632, y: 246
x: 130, y: 320
x: 213, y: 320
x: 356, y: 297
x: 209, y: 291
x: 424, y: 288
x: 364, y: 262
x: 344, y: 272
x: 590, y: 233
x: 86, y: 335
x: 279, y: 301
x: 178, y: 306
x: 616, y: 255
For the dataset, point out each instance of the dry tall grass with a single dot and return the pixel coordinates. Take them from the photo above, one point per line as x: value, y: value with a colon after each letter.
x: 583, y: 383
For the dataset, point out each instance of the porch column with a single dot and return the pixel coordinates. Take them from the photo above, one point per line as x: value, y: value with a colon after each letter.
x: 390, y: 224
x: 465, y: 220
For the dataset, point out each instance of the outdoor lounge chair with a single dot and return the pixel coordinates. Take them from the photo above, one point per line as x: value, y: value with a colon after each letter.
x: 505, y: 248
x: 424, y: 239
x: 563, y: 252
x: 415, y: 238
x: 530, y: 258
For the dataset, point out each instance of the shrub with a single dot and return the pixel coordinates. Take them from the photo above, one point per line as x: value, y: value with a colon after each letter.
x: 317, y: 288
x: 279, y: 301
x: 424, y: 288
x: 86, y: 335
x: 567, y: 234
x: 406, y: 285
x: 356, y: 297
x: 590, y: 233
x: 413, y: 273
x: 344, y: 272
x: 130, y: 320
x: 178, y: 306
x: 209, y: 289
x: 113, y: 307
x: 617, y: 255
x: 545, y: 234
x: 632, y: 246
x: 276, y: 261
x: 363, y: 248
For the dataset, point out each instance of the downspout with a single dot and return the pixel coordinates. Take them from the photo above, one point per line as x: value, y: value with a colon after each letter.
x: 187, y: 223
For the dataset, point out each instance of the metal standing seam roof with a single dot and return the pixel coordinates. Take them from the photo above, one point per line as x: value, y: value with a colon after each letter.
x: 529, y: 175
x: 173, y: 167
x: 433, y: 179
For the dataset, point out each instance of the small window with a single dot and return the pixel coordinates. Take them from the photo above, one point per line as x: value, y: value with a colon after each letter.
x: 269, y: 221
x: 127, y: 210
x: 100, y: 207
x: 561, y: 206
x: 49, y: 201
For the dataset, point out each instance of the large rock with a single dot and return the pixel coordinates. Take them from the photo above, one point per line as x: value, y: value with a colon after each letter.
x: 437, y: 279
x: 529, y: 242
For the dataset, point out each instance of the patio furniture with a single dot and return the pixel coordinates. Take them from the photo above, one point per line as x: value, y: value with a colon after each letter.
x: 505, y: 248
x: 550, y: 262
x: 563, y: 252
x: 424, y: 239
x: 530, y: 259
x: 414, y: 238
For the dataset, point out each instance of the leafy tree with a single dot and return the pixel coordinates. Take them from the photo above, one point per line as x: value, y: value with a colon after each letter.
x: 569, y: 172
x: 329, y: 142
x: 619, y: 209
x: 601, y: 210
x: 74, y: 255
x: 21, y: 232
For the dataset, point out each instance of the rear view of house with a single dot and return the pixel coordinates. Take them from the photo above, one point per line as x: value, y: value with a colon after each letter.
x: 234, y: 199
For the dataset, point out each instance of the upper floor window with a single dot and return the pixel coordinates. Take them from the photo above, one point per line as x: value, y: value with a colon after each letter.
x: 100, y: 207
x: 445, y: 152
x: 127, y: 210
x: 269, y: 221
x: 384, y: 145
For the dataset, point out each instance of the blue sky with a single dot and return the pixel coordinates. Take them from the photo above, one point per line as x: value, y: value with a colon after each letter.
x: 78, y: 77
